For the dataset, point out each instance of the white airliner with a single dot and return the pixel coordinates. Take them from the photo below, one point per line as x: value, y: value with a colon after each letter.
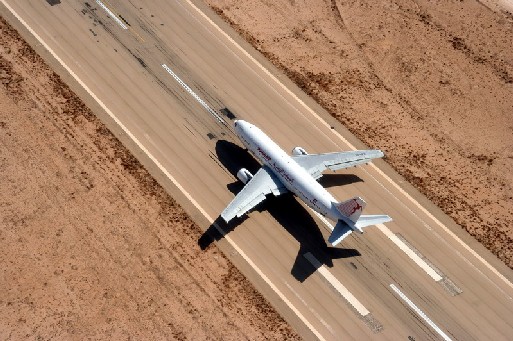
x: 298, y: 174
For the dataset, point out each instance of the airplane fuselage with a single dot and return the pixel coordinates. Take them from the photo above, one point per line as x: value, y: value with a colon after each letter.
x: 295, y: 178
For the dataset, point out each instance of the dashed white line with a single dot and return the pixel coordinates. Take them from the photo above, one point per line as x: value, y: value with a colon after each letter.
x: 335, y: 283
x: 315, y: 313
x: 165, y: 172
x: 112, y: 15
x: 413, y: 256
x: 420, y: 312
x: 193, y: 94
x: 400, y: 244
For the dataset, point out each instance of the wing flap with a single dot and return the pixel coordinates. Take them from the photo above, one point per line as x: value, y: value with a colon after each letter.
x: 258, y: 199
x: 315, y: 164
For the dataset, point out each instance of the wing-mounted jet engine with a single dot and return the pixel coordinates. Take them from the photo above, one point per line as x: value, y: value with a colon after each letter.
x: 244, y: 175
x: 299, y: 151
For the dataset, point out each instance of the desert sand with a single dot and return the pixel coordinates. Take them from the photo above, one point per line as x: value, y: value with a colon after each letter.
x: 90, y: 245
x: 430, y: 84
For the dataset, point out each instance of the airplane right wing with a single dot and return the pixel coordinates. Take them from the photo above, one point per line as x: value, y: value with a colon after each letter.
x: 263, y: 182
x: 315, y: 164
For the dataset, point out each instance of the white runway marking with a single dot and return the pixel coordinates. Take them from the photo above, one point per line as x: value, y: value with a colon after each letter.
x: 420, y: 313
x: 315, y: 313
x: 193, y: 94
x: 335, y: 283
x: 325, y: 124
x: 165, y: 172
x: 112, y: 15
x: 400, y: 244
x: 413, y: 256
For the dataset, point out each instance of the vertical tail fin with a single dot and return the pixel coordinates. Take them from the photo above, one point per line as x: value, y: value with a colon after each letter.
x: 352, y: 208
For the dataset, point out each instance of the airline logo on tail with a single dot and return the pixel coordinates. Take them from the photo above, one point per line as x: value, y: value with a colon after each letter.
x: 352, y: 208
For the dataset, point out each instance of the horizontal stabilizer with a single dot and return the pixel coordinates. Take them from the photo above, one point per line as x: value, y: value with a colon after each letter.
x: 341, y: 231
x: 367, y: 220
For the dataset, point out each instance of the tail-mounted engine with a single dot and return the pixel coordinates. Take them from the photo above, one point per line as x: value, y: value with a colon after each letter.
x: 244, y: 175
x: 299, y: 151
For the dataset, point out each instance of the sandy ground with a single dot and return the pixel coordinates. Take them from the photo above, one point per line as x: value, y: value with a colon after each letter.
x: 431, y: 84
x: 90, y: 245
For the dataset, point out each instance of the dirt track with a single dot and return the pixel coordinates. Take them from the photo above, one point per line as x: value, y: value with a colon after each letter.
x: 430, y: 84
x: 91, y: 245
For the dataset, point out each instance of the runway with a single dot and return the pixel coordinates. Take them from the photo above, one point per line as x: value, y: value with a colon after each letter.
x: 162, y: 74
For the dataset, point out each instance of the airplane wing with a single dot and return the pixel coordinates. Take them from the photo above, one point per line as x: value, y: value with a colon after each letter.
x: 254, y: 192
x: 315, y: 164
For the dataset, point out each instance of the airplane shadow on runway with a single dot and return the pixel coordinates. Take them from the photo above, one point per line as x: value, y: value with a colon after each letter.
x: 287, y: 211
x: 335, y: 180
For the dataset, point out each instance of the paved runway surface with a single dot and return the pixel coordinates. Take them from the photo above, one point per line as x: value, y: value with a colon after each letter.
x: 168, y: 73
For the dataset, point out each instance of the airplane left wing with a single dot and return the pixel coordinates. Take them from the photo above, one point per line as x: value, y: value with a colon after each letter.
x: 263, y: 182
x: 315, y: 164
